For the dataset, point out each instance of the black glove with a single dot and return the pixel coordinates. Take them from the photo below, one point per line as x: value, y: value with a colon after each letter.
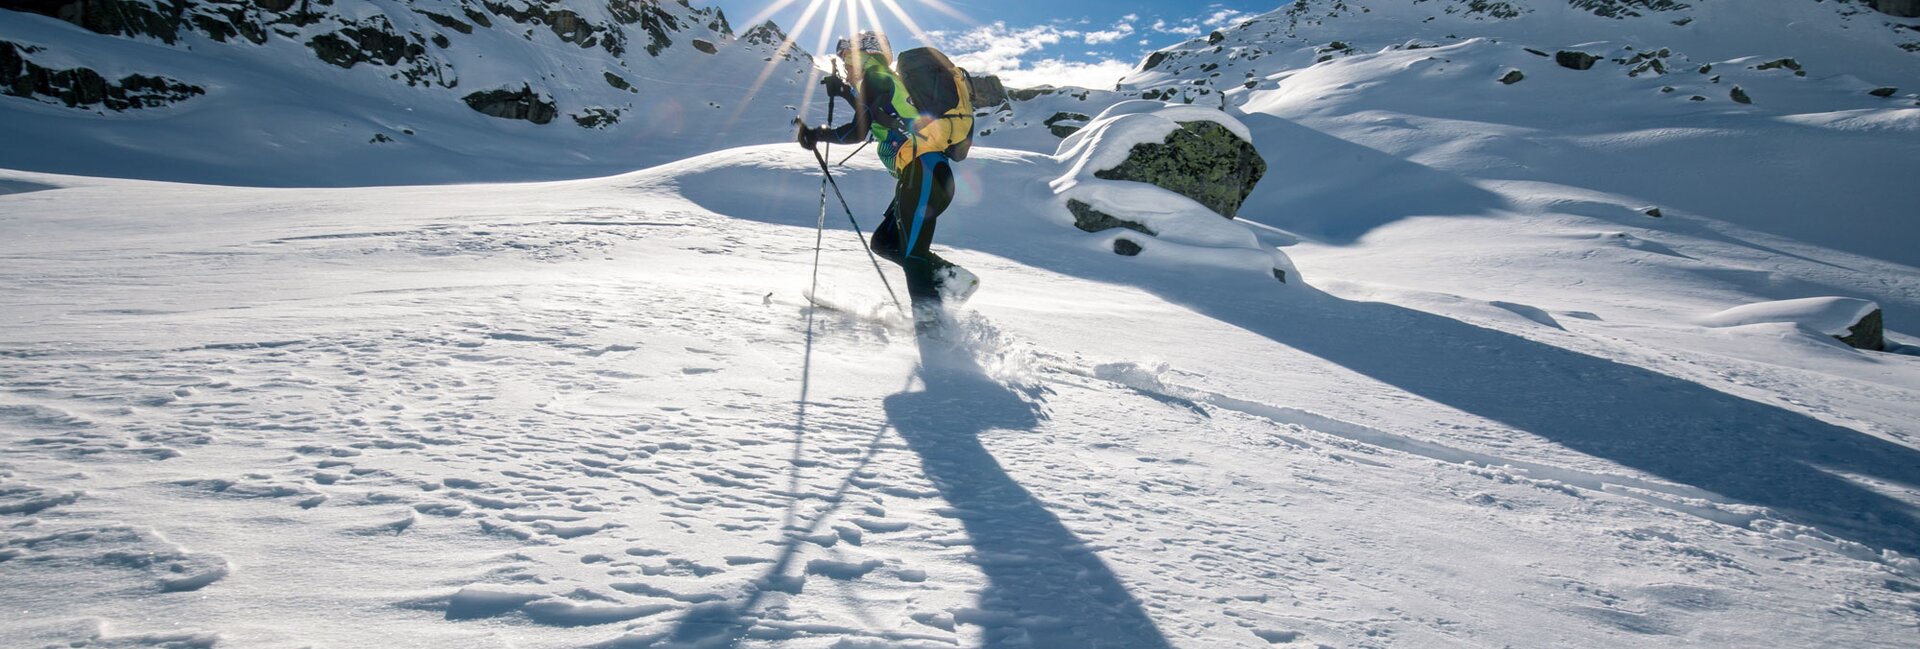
x: 837, y: 88
x: 807, y: 137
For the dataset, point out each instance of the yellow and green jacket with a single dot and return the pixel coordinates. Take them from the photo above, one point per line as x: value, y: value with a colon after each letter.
x: 882, y: 111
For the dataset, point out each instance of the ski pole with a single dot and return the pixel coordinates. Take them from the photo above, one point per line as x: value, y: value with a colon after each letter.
x: 828, y: 174
x: 863, y: 147
x: 820, y: 226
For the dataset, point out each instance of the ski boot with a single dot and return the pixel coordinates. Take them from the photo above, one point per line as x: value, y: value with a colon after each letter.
x: 956, y: 284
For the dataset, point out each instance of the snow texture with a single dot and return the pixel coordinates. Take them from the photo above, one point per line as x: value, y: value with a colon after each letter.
x: 599, y: 412
x: 1832, y: 316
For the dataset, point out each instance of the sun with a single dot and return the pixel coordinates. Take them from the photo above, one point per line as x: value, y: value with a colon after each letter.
x: 858, y: 15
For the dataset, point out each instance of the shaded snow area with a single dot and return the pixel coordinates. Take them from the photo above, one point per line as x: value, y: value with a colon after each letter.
x: 1554, y: 364
x: 626, y: 85
x: 596, y: 413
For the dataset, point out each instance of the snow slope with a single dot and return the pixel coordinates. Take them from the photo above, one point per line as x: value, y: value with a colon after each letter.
x: 1497, y: 407
x: 596, y: 413
x: 275, y: 114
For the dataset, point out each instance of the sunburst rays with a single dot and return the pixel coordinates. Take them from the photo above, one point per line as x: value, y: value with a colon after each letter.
x: 859, y: 14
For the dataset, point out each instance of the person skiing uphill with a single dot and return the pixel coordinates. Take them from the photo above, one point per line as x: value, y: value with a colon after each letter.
x: 916, y: 147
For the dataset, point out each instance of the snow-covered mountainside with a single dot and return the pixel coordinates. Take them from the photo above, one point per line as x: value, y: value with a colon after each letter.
x: 359, y: 92
x: 1562, y: 357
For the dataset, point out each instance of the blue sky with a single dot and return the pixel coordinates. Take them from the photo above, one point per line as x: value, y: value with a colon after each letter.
x: 1089, y: 43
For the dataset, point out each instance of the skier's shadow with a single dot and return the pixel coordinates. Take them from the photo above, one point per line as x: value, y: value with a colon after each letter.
x: 1045, y: 586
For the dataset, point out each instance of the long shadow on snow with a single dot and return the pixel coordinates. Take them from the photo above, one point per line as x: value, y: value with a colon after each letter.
x: 1338, y: 191
x: 1682, y: 431
x: 1045, y: 586
x: 1676, y: 429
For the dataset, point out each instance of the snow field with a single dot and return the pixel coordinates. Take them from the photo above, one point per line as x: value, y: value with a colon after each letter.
x: 1502, y: 408
x: 591, y: 413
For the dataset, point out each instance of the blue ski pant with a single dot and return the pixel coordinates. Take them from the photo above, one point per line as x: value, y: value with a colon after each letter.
x: 905, y: 237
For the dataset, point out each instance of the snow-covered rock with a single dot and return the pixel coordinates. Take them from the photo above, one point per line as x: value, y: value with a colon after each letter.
x: 1853, y: 321
x: 1147, y: 167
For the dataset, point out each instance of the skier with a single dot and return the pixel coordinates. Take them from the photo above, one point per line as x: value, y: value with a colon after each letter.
x: 918, y: 150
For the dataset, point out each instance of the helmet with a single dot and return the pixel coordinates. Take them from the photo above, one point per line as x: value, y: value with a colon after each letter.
x: 869, y: 42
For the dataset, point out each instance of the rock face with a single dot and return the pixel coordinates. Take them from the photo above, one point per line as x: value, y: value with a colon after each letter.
x: 515, y: 104
x: 987, y: 90
x: 1627, y: 8
x: 1904, y: 8
x: 82, y: 87
x: 1869, y: 334
x: 1203, y: 161
x: 402, y: 39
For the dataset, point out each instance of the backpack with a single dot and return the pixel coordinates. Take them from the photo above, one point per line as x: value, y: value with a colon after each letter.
x: 942, y: 92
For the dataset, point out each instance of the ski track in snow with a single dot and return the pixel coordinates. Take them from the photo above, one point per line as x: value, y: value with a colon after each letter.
x: 560, y: 429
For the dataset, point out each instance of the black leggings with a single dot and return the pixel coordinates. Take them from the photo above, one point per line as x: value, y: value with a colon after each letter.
x: 923, y: 192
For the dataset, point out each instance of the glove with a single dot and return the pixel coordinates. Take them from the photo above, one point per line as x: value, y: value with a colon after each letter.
x: 807, y: 137
x: 837, y: 87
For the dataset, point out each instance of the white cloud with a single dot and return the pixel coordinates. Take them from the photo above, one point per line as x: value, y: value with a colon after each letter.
x: 1188, y: 29
x: 1198, y: 25
x: 1011, y: 53
x: 1100, y: 75
x: 1119, y: 31
x: 996, y: 46
x: 1221, y: 18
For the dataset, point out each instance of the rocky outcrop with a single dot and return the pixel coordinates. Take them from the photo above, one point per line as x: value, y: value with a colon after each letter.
x: 1575, y: 60
x: 1902, y: 8
x: 1064, y: 124
x: 597, y: 118
x: 987, y: 90
x: 374, y: 42
x: 111, y: 17
x: 1627, y: 8
x: 1869, y: 333
x: 83, y: 87
x: 1089, y: 219
x: 514, y: 104
x: 1203, y: 161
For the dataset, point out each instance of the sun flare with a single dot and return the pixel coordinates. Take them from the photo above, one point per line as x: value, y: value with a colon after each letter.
x: 858, y: 15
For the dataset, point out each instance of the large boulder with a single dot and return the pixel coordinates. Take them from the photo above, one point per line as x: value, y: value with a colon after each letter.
x: 1573, y: 60
x: 1152, y: 180
x: 1202, y: 160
